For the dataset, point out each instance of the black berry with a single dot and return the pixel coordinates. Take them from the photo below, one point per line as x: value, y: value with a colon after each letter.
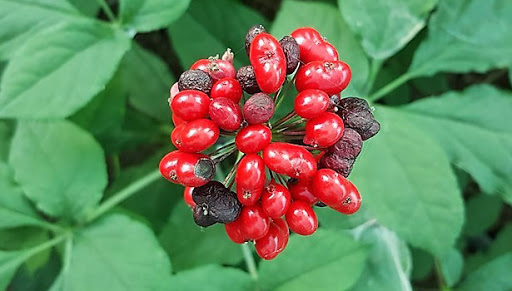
x: 291, y: 52
x: 247, y: 79
x: 349, y: 145
x: 258, y: 109
x: 251, y: 33
x: 215, y: 203
x: 337, y: 163
x: 195, y: 80
x: 356, y: 114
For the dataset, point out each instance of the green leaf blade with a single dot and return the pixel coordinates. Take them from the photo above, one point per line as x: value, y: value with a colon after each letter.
x: 144, y: 16
x: 212, y: 277
x: 494, y: 275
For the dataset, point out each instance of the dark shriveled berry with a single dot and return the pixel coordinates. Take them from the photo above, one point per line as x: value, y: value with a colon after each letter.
x: 195, y: 80
x: 251, y: 33
x: 356, y: 114
x: 349, y: 146
x: 215, y: 203
x: 258, y: 109
x: 247, y: 79
x: 336, y: 163
x: 291, y: 52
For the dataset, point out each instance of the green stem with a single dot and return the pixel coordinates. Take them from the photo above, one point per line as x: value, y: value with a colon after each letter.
x: 107, y: 10
x: 374, y: 71
x: 124, y: 194
x: 249, y: 261
x: 46, y: 245
x: 390, y: 87
x: 439, y: 275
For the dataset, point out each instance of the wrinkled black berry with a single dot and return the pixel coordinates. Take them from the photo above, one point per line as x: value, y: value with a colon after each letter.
x: 348, y: 146
x: 291, y: 52
x: 195, y: 80
x: 337, y: 163
x: 259, y: 108
x: 215, y: 203
x: 356, y: 114
x: 247, y: 79
x: 251, y: 33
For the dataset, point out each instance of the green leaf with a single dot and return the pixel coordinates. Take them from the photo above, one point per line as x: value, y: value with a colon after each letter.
x: 466, y: 35
x: 389, y: 262
x: 451, y: 264
x: 468, y: 124
x: 189, y: 246
x: 115, y: 253
x: 499, y: 246
x: 209, y: 27
x: 144, y: 15
x: 494, y: 275
x: 59, y: 71
x: 213, y: 278
x: 23, y: 20
x: 326, y: 19
x: 482, y: 212
x: 59, y: 166
x: 89, y: 8
x: 327, y: 260
x: 423, y: 264
x: 140, y: 66
x: 405, y: 179
x: 23, y: 238
x: 9, y: 263
x: 385, y: 26
x: 6, y: 131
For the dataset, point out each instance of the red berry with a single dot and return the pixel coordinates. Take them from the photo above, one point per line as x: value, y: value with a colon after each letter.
x: 234, y: 231
x: 259, y: 108
x: 225, y: 113
x: 253, y: 138
x: 313, y: 47
x: 324, y: 130
x: 269, y: 63
x: 281, y: 223
x: 190, y: 105
x: 330, y: 77
x: 190, y: 170
x: 330, y: 187
x: 195, y: 136
x: 352, y: 201
x: 177, y: 121
x: 269, y: 246
x: 218, y: 69
x: 227, y: 87
x: 250, y: 179
x: 289, y: 159
x: 275, y: 200
x: 187, y: 196
x: 255, y: 223
x: 301, y: 218
x: 311, y: 103
x: 173, y: 92
x: 302, y: 190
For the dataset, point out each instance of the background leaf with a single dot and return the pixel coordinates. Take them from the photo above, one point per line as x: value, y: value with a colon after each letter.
x: 89, y: 8
x: 494, y: 275
x: 59, y: 166
x: 212, y: 277
x: 58, y: 72
x: 482, y: 212
x: 451, y: 264
x: 9, y: 262
x: 143, y: 15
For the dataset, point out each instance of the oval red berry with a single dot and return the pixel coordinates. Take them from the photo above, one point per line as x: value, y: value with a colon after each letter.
x: 269, y: 62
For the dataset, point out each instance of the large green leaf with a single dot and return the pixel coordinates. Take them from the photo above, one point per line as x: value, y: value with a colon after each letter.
x: 59, y: 71
x: 389, y: 262
x: 9, y: 263
x: 385, y: 26
x: 147, y: 15
x: 405, y: 179
x: 114, y: 253
x: 59, y: 166
x: 326, y: 19
x: 189, y: 245
x: 22, y: 20
x: 21, y: 238
x: 89, y: 8
x: 213, y: 278
x: 466, y: 35
x: 210, y: 27
x: 500, y: 245
x: 482, y: 212
x: 327, y: 260
x: 494, y: 275
x: 451, y: 264
x: 140, y: 66
x: 472, y: 128
x: 5, y: 140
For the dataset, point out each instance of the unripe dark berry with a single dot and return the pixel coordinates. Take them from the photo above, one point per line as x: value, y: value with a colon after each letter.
x: 247, y: 79
x: 349, y: 146
x: 258, y: 109
x: 251, y: 33
x: 215, y: 203
x: 357, y: 114
x: 291, y: 52
x: 336, y: 163
x: 195, y: 80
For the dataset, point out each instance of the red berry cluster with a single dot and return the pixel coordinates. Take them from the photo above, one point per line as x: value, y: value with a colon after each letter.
x: 284, y: 167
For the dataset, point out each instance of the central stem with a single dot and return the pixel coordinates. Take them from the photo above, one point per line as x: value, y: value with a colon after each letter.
x: 249, y: 261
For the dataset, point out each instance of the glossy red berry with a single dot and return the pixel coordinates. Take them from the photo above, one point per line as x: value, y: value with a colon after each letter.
x: 187, y: 196
x: 255, y: 223
x: 217, y: 69
x: 275, y: 200
x: 281, y: 223
x: 227, y: 87
x: 177, y: 121
x: 313, y: 47
x: 253, y: 138
x: 269, y: 63
x: 301, y: 218
x: 352, y: 201
x: 250, y: 179
x: 235, y: 232
x: 225, y: 113
x: 289, y: 159
x: 311, y: 103
x: 330, y: 187
x: 195, y: 136
x: 173, y: 92
x: 324, y: 130
x: 302, y: 190
x: 269, y: 246
x: 190, y: 105
x: 190, y: 170
x: 330, y: 77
